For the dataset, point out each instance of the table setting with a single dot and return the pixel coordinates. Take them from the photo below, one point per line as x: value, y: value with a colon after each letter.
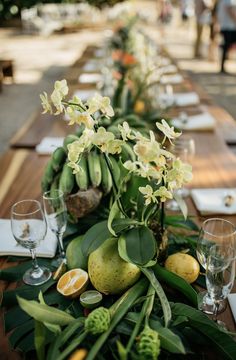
x: 120, y: 274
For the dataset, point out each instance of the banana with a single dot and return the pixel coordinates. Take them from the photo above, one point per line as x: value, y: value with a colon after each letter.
x: 82, y: 177
x: 106, y: 176
x: 54, y: 185
x: 127, y: 152
x: 68, y: 140
x: 67, y: 180
x: 58, y: 158
x: 94, y: 166
x: 115, y: 169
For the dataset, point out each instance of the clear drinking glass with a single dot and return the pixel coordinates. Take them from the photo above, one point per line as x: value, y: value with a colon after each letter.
x: 56, y: 214
x: 184, y: 149
x: 29, y: 228
x: 220, y: 274
x: 213, y: 232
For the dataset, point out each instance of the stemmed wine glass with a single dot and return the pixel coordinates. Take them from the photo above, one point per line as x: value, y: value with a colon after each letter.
x: 184, y: 149
x: 213, y: 232
x: 29, y: 228
x: 220, y: 274
x: 56, y: 214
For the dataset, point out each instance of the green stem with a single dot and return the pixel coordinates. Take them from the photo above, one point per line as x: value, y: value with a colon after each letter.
x: 146, y: 309
x: 162, y: 217
x: 74, y: 104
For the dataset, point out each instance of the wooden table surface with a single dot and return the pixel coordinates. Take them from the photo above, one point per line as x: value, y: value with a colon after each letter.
x: 21, y: 170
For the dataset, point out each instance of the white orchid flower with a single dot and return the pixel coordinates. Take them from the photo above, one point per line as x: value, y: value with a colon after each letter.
x: 163, y: 193
x: 45, y: 103
x: 148, y: 193
x: 61, y: 87
x: 168, y: 131
x: 181, y: 173
x: 125, y: 131
x: 101, y: 103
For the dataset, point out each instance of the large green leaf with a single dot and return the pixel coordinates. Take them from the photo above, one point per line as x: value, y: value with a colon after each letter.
x: 95, y: 237
x: 179, y: 221
x: 45, y: 313
x: 160, y: 293
x: 169, y: 340
x: 40, y: 339
x: 20, y: 332
x: 140, y: 245
x: 15, y: 273
x: 26, y: 291
x: 219, y: 340
x: 114, y: 212
x: 176, y: 282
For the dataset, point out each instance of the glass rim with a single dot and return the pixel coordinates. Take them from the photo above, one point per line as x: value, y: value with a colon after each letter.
x: 222, y: 220
x: 26, y: 213
x: 46, y: 193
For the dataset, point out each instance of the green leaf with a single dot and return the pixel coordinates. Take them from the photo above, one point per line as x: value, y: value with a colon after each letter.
x: 121, y: 351
x: 179, y: 221
x: 26, y: 291
x: 52, y: 327
x: 176, y: 282
x: 39, y: 339
x: 14, y: 317
x: 140, y: 245
x: 219, y: 340
x: 45, y: 313
x: 95, y: 237
x: 169, y: 340
x: 122, y: 224
x: 115, y: 211
x: 15, y: 273
x: 20, y: 332
x: 160, y: 293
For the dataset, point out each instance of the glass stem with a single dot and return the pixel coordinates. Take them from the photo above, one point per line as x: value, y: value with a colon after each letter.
x: 60, y: 244
x: 34, y: 260
x: 215, y: 311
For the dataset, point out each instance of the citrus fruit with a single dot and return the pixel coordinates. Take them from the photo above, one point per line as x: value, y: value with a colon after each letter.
x: 90, y: 299
x: 60, y: 271
x: 108, y: 273
x: 74, y: 256
x: 79, y: 354
x: 184, y: 265
x: 72, y: 283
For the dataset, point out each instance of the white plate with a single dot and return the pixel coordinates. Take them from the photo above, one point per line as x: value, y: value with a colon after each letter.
x: 88, y: 78
x: 48, y: 145
x: 211, y: 201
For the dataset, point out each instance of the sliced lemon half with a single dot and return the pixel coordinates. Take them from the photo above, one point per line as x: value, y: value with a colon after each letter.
x: 73, y: 283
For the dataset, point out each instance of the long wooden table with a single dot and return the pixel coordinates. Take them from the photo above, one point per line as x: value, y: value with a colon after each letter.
x: 213, y: 167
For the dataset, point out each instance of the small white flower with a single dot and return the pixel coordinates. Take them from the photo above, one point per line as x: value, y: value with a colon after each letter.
x: 61, y: 87
x: 56, y: 98
x: 45, y: 103
x: 148, y: 193
x: 179, y: 174
x: 130, y: 165
x: 125, y: 131
x: 168, y: 131
x: 101, y: 103
x: 163, y: 194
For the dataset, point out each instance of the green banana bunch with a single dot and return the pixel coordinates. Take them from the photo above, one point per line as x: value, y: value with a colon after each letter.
x: 106, y: 175
x: 58, y: 158
x: 67, y: 180
x: 69, y: 139
x: 94, y: 166
x: 127, y: 152
x: 115, y: 169
x: 48, y: 176
x: 82, y: 177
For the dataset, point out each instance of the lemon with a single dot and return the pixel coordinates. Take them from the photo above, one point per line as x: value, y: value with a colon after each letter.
x: 184, y: 265
x: 74, y: 256
x: 73, y: 283
x: 108, y: 273
x: 90, y: 299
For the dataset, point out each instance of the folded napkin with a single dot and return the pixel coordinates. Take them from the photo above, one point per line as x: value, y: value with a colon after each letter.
x: 168, y: 69
x: 201, y: 122
x: 232, y: 303
x: 91, y: 66
x: 48, y: 145
x: 212, y: 201
x: 9, y: 246
x: 179, y: 99
x: 172, y: 79
x: 88, y: 78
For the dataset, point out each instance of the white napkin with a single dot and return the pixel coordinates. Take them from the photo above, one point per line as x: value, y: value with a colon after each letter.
x: 172, y: 79
x: 232, y: 303
x: 48, y: 145
x: 88, y: 78
x: 201, y: 122
x: 9, y: 246
x: 211, y: 201
x: 168, y: 69
x: 180, y: 99
x: 91, y: 66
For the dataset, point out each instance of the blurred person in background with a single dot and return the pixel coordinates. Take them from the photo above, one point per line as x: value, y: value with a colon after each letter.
x: 226, y: 13
x: 203, y: 15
